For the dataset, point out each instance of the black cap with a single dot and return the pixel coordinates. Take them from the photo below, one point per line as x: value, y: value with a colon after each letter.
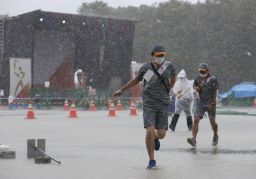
x: 203, y: 67
x: 158, y: 48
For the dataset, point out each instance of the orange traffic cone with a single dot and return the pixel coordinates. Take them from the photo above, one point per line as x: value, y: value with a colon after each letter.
x: 30, y: 113
x: 66, y: 106
x: 119, y: 105
x: 72, y: 112
x: 92, y: 106
x: 133, y: 110
x: 109, y: 103
x: 254, y: 103
x: 111, y: 110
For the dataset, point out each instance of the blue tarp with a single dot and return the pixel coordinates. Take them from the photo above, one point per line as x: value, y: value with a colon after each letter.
x: 241, y: 90
x: 225, y: 95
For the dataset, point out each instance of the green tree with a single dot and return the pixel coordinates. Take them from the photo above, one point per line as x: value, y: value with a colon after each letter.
x: 218, y: 32
x: 97, y: 8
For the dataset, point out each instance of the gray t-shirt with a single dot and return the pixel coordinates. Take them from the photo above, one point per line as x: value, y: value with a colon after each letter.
x: 155, y: 95
x: 208, y: 88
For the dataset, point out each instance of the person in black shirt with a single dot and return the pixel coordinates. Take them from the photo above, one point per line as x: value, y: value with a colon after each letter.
x: 206, y: 86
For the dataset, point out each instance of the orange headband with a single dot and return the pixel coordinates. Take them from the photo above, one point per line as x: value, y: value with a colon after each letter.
x: 202, y: 69
x: 159, y: 53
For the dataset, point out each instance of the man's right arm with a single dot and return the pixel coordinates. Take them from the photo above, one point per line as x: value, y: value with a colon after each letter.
x: 127, y: 86
x: 132, y: 82
x: 196, y: 85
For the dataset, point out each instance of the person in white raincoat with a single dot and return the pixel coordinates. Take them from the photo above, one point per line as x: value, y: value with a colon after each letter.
x: 184, y: 97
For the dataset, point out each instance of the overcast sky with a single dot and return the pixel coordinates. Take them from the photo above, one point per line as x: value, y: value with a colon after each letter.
x: 15, y: 7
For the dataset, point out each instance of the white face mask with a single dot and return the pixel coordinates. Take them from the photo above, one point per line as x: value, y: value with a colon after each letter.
x: 159, y: 60
x: 203, y: 75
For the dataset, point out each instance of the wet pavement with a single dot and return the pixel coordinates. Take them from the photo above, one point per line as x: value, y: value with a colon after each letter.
x: 233, y: 110
x: 100, y: 147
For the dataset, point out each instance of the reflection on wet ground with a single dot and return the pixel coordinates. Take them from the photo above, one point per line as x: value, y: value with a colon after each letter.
x: 98, y: 147
x: 214, y: 150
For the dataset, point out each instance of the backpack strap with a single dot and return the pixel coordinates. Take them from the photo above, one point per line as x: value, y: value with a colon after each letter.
x: 160, y: 77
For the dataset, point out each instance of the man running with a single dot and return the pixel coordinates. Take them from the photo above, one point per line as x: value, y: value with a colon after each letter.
x: 206, y: 85
x: 159, y: 78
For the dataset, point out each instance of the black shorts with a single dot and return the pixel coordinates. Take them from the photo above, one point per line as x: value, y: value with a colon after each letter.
x: 156, y: 118
x: 200, y: 110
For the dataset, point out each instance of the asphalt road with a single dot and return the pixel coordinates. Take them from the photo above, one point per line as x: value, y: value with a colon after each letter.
x: 99, y: 147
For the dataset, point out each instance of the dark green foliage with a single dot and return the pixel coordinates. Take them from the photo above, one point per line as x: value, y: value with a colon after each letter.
x: 221, y: 33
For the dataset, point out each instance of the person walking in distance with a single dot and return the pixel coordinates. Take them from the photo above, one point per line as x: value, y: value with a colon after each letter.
x: 206, y: 85
x: 158, y: 77
x: 184, y: 97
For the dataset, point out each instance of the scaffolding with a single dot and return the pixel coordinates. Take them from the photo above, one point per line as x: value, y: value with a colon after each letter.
x: 2, y: 19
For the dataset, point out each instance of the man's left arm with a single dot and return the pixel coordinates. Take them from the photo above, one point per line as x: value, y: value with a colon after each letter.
x: 215, y: 93
x: 172, y: 81
x: 172, y: 78
x: 214, y: 97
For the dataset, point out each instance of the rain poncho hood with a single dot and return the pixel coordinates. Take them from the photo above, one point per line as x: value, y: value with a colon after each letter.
x: 182, y: 74
x: 183, y: 85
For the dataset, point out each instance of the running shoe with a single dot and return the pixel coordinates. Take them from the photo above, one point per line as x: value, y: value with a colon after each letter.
x: 151, y: 165
x: 172, y: 127
x: 157, y: 144
x: 192, y: 141
x: 215, y: 140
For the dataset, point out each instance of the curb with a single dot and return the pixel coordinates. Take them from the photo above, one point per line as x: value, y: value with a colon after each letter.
x: 234, y: 113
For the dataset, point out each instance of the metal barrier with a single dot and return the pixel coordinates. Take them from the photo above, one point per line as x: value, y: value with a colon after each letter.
x: 239, y: 102
x: 81, y: 103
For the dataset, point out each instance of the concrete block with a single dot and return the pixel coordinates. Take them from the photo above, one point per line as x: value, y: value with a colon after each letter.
x: 31, y: 144
x: 43, y: 160
x: 4, y: 148
x: 8, y: 155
